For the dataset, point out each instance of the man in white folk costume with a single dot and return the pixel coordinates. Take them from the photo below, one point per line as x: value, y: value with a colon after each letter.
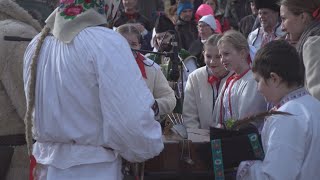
x: 90, y: 104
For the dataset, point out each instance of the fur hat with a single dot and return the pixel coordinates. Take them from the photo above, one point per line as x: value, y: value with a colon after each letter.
x: 163, y: 24
x: 269, y: 4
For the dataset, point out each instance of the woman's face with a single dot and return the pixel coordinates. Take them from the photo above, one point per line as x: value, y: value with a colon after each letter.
x: 231, y: 58
x: 204, y: 30
x: 292, y: 24
x: 212, y: 60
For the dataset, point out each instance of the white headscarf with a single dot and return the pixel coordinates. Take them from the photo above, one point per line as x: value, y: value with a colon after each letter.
x: 72, y: 16
x: 210, y: 20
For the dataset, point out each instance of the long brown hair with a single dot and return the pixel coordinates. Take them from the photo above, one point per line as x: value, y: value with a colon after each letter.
x: 301, y: 6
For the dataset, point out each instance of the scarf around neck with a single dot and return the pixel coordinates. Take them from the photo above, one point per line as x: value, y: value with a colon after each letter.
x: 140, y: 58
x: 312, y: 30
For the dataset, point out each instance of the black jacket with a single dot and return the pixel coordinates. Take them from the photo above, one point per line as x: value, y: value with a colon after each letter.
x: 187, y: 32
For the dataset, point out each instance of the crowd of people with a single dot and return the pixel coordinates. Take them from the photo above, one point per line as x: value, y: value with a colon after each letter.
x: 95, y: 85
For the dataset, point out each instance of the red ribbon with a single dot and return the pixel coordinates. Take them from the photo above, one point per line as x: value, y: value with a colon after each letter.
x: 234, y: 77
x: 212, y: 79
x: 221, y: 100
x: 140, y: 63
x: 316, y: 14
x: 33, y: 164
x: 249, y: 60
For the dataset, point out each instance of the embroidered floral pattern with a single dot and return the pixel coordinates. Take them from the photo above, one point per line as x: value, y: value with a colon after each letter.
x: 217, y: 159
x: 256, y: 147
x: 73, y: 10
x: 293, y: 95
x: 70, y: 9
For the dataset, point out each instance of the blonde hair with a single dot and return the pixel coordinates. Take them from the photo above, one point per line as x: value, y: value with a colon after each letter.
x: 28, y: 118
x: 213, y: 40
x: 129, y: 29
x: 236, y: 39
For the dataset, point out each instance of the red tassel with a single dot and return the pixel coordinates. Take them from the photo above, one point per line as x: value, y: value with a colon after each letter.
x: 33, y: 164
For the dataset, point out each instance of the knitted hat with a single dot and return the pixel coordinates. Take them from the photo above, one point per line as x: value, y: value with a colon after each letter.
x: 72, y: 16
x: 163, y: 24
x: 183, y: 6
x: 209, y: 19
x: 203, y: 10
x: 269, y: 4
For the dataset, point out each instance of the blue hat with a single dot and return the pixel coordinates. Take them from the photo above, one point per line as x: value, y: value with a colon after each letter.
x: 183, y: 6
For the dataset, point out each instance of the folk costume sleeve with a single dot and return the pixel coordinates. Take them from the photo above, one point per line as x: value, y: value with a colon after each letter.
x: 191, y: 64
x: 312, y: 64
x: 163, y: 93
x: 190, y: 108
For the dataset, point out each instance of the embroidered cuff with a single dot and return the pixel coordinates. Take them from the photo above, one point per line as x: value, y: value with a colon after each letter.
x: 244, y: 168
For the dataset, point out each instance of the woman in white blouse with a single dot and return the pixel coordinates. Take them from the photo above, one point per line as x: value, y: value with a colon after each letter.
x: 239, y: 96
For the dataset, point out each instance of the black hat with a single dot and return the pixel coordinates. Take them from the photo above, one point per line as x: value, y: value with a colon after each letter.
x: 269, y: 4
x: 163, y: 24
